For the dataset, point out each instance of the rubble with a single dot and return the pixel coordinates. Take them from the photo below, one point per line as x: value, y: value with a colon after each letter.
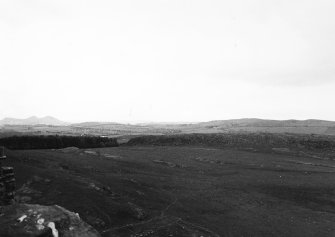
x: 35, y: 220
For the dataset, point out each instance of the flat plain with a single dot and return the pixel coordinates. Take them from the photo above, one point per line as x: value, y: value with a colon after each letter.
x: 182, y: 191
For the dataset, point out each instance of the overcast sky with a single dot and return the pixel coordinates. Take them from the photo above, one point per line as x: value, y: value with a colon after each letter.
x: 105, y: 60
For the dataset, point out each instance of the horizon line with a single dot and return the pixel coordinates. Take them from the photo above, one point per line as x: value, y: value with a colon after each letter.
x: 134, y: 122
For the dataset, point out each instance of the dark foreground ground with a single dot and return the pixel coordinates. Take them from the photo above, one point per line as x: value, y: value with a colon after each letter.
x: 183, y: 191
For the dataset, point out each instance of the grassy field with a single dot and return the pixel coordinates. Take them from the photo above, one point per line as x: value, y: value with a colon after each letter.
x: 183, y: 191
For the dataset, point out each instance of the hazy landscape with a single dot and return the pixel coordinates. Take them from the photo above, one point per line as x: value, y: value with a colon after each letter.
x: 51, y: 126
x: 167, y: 118
x: 245, y: 177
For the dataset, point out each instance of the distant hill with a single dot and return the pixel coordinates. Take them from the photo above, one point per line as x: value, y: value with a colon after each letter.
x: 47, y: 120
x: 41, y: 126
x: 95, y: 124
x: 253, y: 122
x: 310, y: 126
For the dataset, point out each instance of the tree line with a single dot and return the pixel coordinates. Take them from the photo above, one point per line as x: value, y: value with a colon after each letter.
x: 242, y: 140
x: 56, y: 142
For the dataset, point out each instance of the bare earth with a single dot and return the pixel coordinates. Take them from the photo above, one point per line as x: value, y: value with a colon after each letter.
x: 183, y: 191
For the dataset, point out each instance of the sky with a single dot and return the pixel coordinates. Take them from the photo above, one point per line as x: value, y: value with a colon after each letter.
x: 166, y: 60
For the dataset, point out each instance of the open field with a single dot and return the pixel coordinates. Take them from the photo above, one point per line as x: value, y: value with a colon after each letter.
x: 183, y: 191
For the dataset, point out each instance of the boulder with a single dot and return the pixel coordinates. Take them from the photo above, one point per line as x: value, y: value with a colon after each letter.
x: 36, y: 220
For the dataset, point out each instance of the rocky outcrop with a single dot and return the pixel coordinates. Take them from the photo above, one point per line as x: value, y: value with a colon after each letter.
x: 48, y: 221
